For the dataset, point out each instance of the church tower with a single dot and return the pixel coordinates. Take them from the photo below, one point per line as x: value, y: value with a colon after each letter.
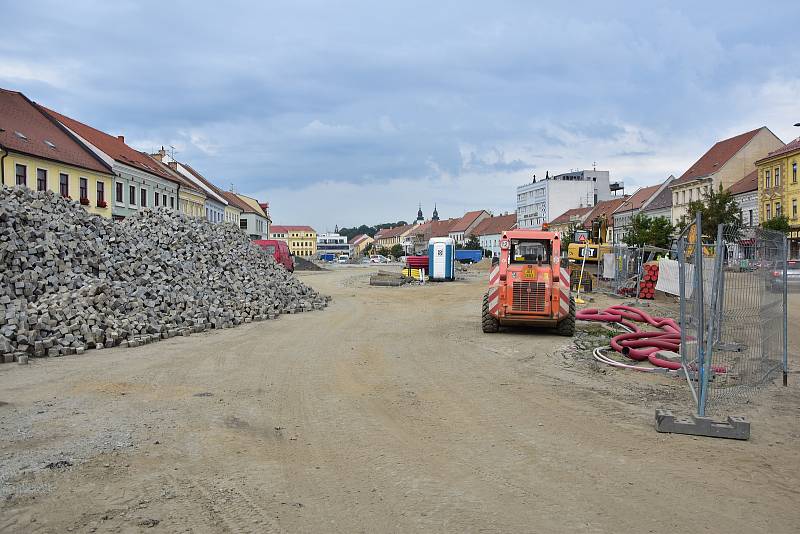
x: 420, y: 217
x: 435, y: 214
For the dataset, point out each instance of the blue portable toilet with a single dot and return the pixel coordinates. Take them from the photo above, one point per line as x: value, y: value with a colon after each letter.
x: 442, y: 258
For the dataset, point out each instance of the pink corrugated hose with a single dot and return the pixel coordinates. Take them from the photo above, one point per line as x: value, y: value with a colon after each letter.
x: 640, y: 345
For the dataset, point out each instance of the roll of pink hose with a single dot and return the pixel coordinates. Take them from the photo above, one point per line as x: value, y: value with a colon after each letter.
x: 640, y: 345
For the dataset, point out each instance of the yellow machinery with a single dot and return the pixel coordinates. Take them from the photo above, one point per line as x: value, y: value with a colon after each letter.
x: 592, y: 243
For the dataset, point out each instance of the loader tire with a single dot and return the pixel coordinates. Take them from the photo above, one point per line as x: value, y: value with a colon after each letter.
x: 567, y: 326
x: 489, y: 322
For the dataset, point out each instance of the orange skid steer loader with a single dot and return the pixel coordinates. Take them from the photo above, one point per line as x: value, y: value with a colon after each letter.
x: 529, y: 286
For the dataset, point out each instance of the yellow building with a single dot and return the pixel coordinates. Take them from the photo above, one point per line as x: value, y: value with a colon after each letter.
x: 191, y: 198
x: 359, y: 243
x: 191, y: 203
x: 233, y: 214
x: 389, y: 237
x: 302, y: 240
x: 779, y: 190
x: 38, y: 153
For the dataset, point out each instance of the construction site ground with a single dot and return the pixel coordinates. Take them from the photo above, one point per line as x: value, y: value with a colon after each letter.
x: 388, y: 412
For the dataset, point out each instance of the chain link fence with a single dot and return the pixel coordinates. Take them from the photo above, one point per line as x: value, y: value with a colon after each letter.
x: 733, y: 312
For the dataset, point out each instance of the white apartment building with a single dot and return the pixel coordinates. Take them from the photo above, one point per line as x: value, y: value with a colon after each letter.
x: 538, y: 202
x: 332, y: 243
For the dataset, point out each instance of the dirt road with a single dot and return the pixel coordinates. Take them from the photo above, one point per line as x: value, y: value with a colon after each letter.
x: 388, y: 412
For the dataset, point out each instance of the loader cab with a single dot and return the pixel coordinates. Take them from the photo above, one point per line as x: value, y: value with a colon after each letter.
x: 530, y: 251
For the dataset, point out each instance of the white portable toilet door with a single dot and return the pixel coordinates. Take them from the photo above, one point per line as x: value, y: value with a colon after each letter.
x: 440, y: 260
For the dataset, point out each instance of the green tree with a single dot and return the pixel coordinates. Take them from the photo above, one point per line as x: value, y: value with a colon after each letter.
x: 368, y: 249
x: 568, y: 236
x: 648, y: 231
x: 396, y: 250
x: 661, y: 230
x: 716, y: 208
x: 473, y: 243
x: 779, y: 224
x: 383, y: 251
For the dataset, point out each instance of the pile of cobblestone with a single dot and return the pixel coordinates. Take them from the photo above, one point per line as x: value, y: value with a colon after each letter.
x: 71, y: 281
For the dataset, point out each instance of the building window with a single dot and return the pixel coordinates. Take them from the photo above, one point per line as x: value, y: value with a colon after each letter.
x: 84, y: 188
x: 101, y: 192
x: 769, y: 211
x: 171, y: 202
x: 41, y: 179
x: 118, y: 192
x: 243, y: 224
x: 155, y: 200
x: 751, y: 217
x: 132, y: 195
x: 164, y: 199
x: 777, y: 209
x: 794, y: 208
x: 63, y: 184
x: 794, y: 172
x: 767, y: 180
x: 22, y: 174
x: 777, y: 176
x: 143, y: 196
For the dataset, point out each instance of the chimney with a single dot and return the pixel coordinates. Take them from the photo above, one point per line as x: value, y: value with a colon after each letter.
x: 159, y: 155
x: 173, y: 165
x: 121, y: 138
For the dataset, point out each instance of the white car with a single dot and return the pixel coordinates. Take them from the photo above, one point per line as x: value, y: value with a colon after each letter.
x: 343, y: 258
x: 377, y: 258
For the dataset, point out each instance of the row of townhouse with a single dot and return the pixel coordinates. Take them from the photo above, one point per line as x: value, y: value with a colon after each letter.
x: 45, y: 150
x: 414, y: 237
x: 756, y: 167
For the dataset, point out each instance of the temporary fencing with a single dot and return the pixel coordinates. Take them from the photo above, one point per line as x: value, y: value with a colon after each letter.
x: 733, y: 289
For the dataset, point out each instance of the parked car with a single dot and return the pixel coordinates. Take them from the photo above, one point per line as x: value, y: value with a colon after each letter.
x: 792, y: 275
x: 343, y: 258
x: 279, y: 250
x: 377, y: 258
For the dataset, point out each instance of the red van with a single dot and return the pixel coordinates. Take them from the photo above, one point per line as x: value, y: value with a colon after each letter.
x: 279, y: 250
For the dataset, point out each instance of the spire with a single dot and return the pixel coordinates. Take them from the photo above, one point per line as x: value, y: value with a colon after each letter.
x: 435, y: 214
x: 420, y: 216
x: 336, y: 229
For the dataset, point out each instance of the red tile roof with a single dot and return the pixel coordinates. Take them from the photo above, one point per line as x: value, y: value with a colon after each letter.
x: 442, y: 228
x: 495, y: 225
x: 18, y: 114
x: 717, y: 156
x: 237, y: 202
x: 641, y: 196
x: 572, y: 214
x: 185, y: 182
x: 745, y: 185
x: 205, y: 181
x: 392, y: 232
x: 114, y: 147
x: 662, y: 200
x: 604, y: 208
x: 283, y: 229
x: 464, y: 222
x: 358, y: 239
x: 785, y: 149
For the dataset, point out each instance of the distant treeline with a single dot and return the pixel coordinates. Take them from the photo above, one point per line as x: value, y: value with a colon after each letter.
x: 369, y: 230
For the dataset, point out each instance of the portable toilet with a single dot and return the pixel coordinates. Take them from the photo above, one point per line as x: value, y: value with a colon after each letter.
x: 442, y: 258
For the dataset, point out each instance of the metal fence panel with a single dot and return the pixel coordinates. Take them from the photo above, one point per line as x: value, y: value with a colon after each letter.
x: 747, y: 326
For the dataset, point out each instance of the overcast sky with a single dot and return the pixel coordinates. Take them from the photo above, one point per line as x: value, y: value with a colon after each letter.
x: 353, y: 112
